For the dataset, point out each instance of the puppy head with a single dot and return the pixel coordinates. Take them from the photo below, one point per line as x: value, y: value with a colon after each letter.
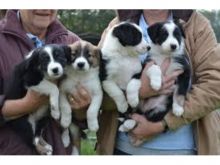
x: 49, y: 59
x: 168, y: 37
x: 130, y: 37
x: 84, y: 56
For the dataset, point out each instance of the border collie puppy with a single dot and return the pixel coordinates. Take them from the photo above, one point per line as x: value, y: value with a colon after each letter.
x: 167, y: 42
x: 37, y: 72
x: 121, y: 67
x: 83, y: 68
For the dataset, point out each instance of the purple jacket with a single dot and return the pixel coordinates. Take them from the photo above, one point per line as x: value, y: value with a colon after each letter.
x: 14, y: 45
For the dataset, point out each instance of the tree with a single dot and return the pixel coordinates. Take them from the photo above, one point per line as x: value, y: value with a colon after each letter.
x: 88, y: 24
x: 214, y: 18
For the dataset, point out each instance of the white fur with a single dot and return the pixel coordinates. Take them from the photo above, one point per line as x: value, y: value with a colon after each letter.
x: 127, y: 125
x: 159, y: 53
x: 123, y: 63
x: 53, y: 64
x: 89, y: 80
x: 88, y: 77
x: 155, y: 75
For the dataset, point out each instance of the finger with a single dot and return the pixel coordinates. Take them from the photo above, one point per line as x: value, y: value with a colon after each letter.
x: 172, y: 76
x: 164, y: 66
x: 72, y: 100
x: 76, y: 97
x: 168, y: 85
x: 137, y: 117
x: 83, y: 94
x: 166, y: 92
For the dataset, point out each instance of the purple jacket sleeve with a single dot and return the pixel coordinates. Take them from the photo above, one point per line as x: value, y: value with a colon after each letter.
x: 1, y: 101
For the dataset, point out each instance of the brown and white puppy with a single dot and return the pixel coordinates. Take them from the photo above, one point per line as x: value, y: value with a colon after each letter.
x: 83, y: 68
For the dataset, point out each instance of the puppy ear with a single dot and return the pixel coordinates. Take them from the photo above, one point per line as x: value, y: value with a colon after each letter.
x: 153, y: 32
x: 67, y: 52
x: 123, y: 32
x: 179, y: 23
x: 33, y: 60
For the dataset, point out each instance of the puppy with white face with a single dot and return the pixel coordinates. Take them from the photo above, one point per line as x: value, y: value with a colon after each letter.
x: 37, y: 72
x: 83, y: 68
x: 121, y: 66
x: 167, y: 41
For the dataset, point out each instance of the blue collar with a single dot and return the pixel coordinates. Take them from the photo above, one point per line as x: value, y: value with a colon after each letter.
x: 37, y: 42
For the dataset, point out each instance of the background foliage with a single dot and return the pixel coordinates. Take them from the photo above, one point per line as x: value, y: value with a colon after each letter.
x: 93, y: 22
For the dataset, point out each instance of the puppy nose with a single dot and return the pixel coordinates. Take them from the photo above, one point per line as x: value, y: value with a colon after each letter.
x: 148, y: 48
x: 173, y: 46
x: 81, y: 65
x: 55, y: 70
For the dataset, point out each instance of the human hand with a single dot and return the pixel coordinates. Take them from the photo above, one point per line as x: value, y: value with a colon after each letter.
x: 168, y: 81
x: 33, y: 100
x: 79, y: 102
x: 145, y: 129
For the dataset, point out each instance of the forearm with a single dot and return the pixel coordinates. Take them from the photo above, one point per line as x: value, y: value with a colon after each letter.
x: 199, y: 103
x: 15, y: 108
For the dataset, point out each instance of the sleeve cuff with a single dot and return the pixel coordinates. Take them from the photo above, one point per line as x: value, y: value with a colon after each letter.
x: 2, y: 99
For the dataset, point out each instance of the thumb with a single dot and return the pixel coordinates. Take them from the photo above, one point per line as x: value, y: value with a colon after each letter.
x: 136, y: 117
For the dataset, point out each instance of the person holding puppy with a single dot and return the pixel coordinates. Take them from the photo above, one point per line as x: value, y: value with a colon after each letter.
x: 196, y: 131
x: 20, y: 32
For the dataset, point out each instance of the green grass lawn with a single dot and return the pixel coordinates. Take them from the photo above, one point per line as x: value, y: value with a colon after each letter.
x: 88, y: 144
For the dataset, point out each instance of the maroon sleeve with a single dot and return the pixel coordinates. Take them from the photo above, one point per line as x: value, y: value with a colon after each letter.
x: 2, y: 98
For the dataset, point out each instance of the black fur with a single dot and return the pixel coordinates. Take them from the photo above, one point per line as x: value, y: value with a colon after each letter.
x: 183, y: 80
x: 123, y: 33
x: 157, y: 34
x: 30, y: 72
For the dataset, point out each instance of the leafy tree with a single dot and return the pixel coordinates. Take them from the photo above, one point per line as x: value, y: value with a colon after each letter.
x: 214, y: 18
x: 89, y: 21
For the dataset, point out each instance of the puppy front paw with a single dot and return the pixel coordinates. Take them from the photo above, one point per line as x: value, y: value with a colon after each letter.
x: 93, y: 125
x: 65, y: 121
x: 127, y: 125
x: 55, y: 114
x: 177, y: 110
x: 122, y: 107
x: 156, y: 83
x: 155, y: 75
x: 133, y: 100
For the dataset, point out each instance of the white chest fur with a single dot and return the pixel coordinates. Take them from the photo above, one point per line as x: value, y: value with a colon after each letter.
x: 121, y: 69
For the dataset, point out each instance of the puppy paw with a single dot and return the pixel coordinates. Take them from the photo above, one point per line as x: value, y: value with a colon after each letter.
x: 156, y: 83
x: 65, y: 122
x: 133, y: 100
x: 65, y: 138
x: 127, y: 125
x: 75, y: 151
x: 55, y: 114
x: 177, y: 110
x: 122, y: 107
x: 42, y: 147
x: 49, y: 149
x: 93, y: 125
x: 155, y: 75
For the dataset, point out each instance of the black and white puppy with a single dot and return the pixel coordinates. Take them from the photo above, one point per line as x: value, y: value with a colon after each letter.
x: 121, y: 67
x: 82, y: 69
x: 167, y: 42
x: 41, y: 67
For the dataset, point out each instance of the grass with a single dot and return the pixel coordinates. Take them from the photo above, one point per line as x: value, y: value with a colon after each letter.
x: 88, y: 144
